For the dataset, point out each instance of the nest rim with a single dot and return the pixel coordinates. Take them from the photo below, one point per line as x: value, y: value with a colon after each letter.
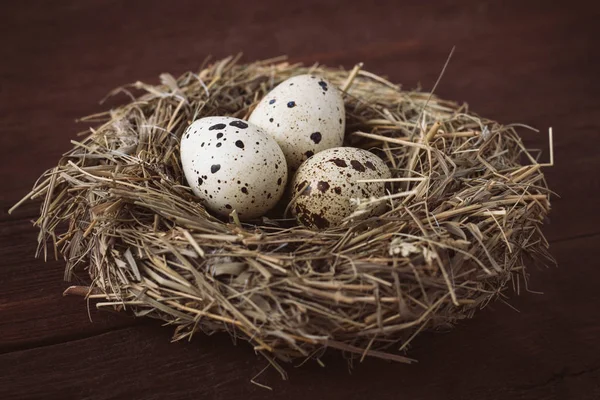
x: 464, y: 218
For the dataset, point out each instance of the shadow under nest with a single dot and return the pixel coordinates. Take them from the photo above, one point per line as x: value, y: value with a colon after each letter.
x: 464, y: 216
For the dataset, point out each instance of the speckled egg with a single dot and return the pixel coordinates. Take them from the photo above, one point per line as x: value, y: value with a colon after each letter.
x: 325, y: 183
x: 233, y: 165
x: 305, y: 114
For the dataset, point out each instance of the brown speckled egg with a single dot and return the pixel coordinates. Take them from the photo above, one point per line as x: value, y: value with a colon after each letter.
x: 325, y: 183
x: 233, y: 165
x: 305, y: 114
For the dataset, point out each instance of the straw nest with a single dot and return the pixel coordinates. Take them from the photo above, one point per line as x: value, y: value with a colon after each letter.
x: 463, y: 219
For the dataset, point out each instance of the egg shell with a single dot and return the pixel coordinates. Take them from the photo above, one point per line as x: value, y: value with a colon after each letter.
x: 305, y: 114
x: 231, y: 164
x: 325, y: 183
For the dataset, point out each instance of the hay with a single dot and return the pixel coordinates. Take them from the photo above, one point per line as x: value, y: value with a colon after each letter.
x: 463, y: 218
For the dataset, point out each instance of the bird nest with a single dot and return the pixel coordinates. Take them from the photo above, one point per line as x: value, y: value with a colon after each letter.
x: 463, y: 218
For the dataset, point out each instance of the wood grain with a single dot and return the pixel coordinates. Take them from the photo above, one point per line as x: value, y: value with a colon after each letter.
x: 32, y: 309
x: 532, y: 62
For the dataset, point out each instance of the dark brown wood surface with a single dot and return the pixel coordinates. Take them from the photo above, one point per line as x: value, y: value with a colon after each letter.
x: 530, y: 62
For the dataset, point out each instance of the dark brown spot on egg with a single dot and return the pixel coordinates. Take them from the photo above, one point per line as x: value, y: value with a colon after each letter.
x: 320, y: 221
x: 215, y: 167
x: 219, y: 144
x: 370, y: 165
x: 307, y: 188
x: 239, y: 144
x: 299, y: 208
x: 322, y: 186
x: 316, y: 137
x: 217, y: 126
x: 244, y: 190
x: 219, y: 135
x: 309, y: 154
x: 357, y: 166
x: 291, y: 104
x: 279, y: 181
x: 339, y: 162
x: 304, y: 220
x: 323, y: 85
x: 239, y: 124
x: 228, y: 206
x: 200, y: 181
x: 337, y: 190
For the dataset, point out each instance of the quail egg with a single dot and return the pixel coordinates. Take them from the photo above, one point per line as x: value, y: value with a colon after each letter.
x: 305, y: 114
x: 325, y: 184
x: 231, y: 164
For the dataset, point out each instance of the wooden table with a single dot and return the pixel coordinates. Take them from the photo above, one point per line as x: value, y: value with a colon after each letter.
x: 529, y: 62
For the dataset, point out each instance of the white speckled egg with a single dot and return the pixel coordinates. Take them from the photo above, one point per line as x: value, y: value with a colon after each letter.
x: 233, y: 165
x: 325, y: 183
x: 305, y: 114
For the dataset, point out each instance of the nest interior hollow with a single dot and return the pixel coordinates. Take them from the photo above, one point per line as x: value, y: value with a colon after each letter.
x: 462, y: 220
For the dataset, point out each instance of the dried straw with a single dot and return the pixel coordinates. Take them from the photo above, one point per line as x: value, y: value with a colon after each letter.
x: 463, y: 217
